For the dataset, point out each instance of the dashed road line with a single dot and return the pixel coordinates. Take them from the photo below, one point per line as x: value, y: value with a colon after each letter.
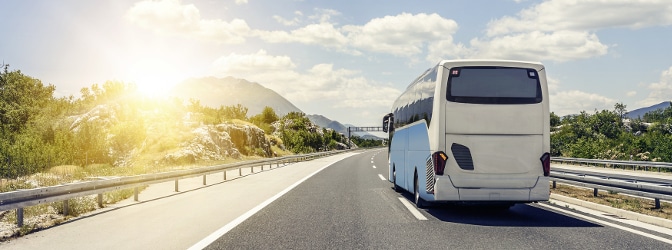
x: 381, y: 177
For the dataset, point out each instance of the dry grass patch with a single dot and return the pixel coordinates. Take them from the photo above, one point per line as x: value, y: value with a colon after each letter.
x: 620, y: 201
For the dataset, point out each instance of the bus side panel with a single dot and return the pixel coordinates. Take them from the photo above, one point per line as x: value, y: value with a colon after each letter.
x: 416, y: 157
x: 397, y: 155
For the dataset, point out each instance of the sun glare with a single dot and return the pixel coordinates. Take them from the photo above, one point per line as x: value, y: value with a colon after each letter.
x: 154, y: 78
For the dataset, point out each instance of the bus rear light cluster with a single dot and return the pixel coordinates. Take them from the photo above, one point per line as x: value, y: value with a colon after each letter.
x: 439, y: 158
x: 546, y: 163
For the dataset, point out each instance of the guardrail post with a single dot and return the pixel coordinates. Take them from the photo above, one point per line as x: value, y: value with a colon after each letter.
x: 65, y: 208
x: 595, y: 192
x: 100, y: 200
x: 224, y: 174
x: 204, y: 181
x: 19, y: 217
x: 240, y: 171
x: 177, y: 189
x: 135, y: 194
x: 554, y: 184
x: 252, y: 169
x: 657, y: 205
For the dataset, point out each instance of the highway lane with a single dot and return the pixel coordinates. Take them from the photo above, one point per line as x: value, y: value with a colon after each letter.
x: 168, y: 220
x: 348, y: 206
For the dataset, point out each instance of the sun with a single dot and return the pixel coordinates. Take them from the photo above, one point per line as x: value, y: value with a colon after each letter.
x: 154, y: 85
x: 154, y: 78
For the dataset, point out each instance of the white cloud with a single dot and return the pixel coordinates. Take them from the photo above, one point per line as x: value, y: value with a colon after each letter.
x: 574, y: 101
x: 586, y: 15
x: 560, y: 30
x: 402, y: 35
x: 553, y: 84
x: 333, y: 88
x: 173, y: 17
x: 293, y: 22
x: 538, y: 46
x: 660, y: 91
x: 324, y: 15
x: 241, y: 2
x: 324, y: 34
x: 631, y: 93
x: 240, y: 64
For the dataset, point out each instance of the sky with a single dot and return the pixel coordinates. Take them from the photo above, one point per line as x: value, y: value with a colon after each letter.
x: 346, y: 60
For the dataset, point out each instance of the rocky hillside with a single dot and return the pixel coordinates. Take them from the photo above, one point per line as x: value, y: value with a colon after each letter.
x: 229, y: 91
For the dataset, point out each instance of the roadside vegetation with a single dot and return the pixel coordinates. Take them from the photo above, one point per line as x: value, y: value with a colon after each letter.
x: 366, y: 143
x: 607, y: 135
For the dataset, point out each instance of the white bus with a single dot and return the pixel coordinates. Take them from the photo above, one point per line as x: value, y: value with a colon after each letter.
x: 472, y: 131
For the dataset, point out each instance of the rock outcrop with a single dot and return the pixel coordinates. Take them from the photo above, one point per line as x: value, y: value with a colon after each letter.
x: 222, y: 141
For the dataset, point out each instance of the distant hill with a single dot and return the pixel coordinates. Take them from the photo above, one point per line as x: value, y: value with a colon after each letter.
x: 229, y: 91
x: 641, y: 111
x: 324, y: 122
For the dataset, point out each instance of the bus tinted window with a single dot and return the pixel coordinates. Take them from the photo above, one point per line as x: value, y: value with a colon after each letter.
x: 494, y: 85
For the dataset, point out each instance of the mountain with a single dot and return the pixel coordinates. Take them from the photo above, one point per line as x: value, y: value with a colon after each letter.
x: 641, y: 111
x: 324, y: 122
x: 229, y: 91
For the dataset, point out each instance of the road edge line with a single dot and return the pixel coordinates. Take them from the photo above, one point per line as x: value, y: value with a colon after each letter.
x: 231, y: 225
x: 412, y: 209
x: 606, y: 223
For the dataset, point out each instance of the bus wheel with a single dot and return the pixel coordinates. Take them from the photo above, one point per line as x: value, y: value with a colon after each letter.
x: 419, y: 202
x: 397, y: 188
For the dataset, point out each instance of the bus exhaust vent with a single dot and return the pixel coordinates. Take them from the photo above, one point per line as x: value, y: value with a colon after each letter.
x: 462, y: 156
x: 430, y: 175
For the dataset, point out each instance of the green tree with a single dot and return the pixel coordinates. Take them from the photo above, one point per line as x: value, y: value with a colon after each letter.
x: 555, y: 120
x: 620, y: 109
x: 21, y: 99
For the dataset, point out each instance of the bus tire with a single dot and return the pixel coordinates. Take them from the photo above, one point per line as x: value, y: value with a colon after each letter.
x: 397, y: 188
x: 419, y: 202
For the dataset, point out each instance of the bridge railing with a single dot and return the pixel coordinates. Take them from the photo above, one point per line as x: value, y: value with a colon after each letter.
x: 20, y: 199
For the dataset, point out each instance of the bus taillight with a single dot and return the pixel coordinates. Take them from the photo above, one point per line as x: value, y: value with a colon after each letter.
x: 546, y: 163
x: 440, y: 158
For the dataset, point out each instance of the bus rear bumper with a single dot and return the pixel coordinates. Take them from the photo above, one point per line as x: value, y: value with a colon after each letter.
x: 444, y: 190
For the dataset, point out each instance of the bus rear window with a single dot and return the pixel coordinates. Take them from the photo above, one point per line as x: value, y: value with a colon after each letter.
x: 494, y: 85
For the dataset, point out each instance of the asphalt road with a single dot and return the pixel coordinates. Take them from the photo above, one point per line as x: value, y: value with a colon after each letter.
x: 348, y: 206
x: 339, y: 202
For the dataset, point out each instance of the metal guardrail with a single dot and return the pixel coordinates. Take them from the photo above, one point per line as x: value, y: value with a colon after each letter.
x: 23, y: 198
x: 613, y: 163
x: 645, y: 187
x: 649, y: 187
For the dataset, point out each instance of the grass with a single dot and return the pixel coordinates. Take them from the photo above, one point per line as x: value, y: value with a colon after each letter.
x: 625, y: 202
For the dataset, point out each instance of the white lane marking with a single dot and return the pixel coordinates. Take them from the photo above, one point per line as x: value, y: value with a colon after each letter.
x: 607, y: 223
x: 381, y: 177
x: 226, y: 228
x: 374, y: 166
x: 412, y: 209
